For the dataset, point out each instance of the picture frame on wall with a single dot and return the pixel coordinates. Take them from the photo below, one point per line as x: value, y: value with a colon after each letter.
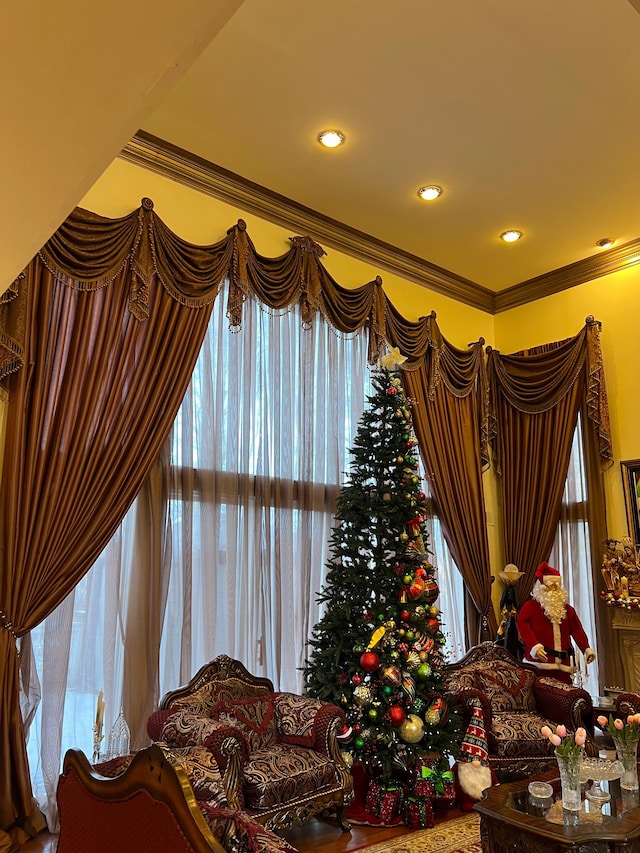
x: 631, y: 484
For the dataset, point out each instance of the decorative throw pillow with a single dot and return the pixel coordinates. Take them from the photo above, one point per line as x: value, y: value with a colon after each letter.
x: 186, y: 729
x: 201, y: 701
x: 205, y: 698
x: 507, y: 688
x: 253, y: 716
x: 202, y: 772
x: 296, y: 716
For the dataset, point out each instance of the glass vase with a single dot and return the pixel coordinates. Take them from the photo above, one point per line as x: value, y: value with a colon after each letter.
x: 569, y: 767
x: 627, y: 751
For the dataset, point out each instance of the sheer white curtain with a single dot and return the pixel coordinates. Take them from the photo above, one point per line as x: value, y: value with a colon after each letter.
x: 258, y: 453
x: 571, y: 553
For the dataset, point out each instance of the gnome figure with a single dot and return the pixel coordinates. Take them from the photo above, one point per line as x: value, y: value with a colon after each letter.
x: 547, y: 625
x: 472, y: 772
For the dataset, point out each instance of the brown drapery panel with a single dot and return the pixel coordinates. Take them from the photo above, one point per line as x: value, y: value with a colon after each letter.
x: 609, y: 665
x: 449, y: 416
x: 98, y: 340
x: 534, y: 401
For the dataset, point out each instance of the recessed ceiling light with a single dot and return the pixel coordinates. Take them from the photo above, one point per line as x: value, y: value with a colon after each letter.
x: 605, y: 243
x: 511, y: 235
x: 430, y: 193
x: 331, y: 138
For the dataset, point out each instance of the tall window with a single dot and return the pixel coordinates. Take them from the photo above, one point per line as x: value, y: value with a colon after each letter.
x: 571, y: 553
x: 257, y: 456
x: 258, y: 453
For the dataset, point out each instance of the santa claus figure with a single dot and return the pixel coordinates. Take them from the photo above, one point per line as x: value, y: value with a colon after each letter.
x: 547, y: 625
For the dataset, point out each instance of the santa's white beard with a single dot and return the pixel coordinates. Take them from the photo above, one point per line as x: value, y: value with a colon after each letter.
x: 552, y: 601
x: 473, y: 778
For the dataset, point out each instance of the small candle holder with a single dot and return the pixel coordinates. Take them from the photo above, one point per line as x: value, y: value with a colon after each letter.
x: 577, y: 678
x: 98, y: 737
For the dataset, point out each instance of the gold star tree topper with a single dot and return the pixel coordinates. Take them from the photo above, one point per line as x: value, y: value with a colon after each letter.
x: 392, y: 359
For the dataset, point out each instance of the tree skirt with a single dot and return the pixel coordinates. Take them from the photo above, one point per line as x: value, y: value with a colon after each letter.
x: 461, y: 835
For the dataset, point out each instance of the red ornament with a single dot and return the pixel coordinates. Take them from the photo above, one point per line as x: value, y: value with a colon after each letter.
x: 392, y: 391
x: 420, y: 572
x: 369, y: 661
x: 405, y: 615
x: 433, y: 624
x: 356, y: 679
x: 397, y: 715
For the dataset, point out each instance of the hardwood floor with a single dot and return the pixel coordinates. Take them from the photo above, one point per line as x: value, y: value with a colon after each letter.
x: 317, y: 834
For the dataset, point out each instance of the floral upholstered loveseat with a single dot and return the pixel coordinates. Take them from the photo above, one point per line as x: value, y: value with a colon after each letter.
x: 516, y: 702
x: 288, y: 765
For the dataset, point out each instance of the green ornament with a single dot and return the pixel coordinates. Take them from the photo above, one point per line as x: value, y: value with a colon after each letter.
x: 358, y: 743
x: 372, y: 714
x: 387, y: 690
x: 418, y: 705
x: 423, y: 671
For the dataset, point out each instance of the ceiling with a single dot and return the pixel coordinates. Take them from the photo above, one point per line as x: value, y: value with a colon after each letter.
x: 526, y: 114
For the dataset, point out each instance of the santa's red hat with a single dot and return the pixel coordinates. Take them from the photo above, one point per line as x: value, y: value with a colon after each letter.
x: 544, y: 570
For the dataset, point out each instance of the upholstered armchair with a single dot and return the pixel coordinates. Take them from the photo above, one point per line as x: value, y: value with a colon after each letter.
x: 516, y: 703
x: 627, y: 703
x: 278, y: 752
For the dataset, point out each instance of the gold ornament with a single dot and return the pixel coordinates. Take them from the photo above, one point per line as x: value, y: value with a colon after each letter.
x: 432, y: 716
x: 413, y: 660
x: 377, y: 635
x: 412, y: 730
x: 362, y: 695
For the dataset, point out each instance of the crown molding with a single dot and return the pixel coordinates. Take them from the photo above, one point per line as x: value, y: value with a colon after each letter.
x: 163, y: 158
x: 607, y: 262
x: 188, y: 169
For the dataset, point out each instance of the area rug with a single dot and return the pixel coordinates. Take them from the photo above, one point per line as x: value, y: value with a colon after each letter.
x: 461, y: 835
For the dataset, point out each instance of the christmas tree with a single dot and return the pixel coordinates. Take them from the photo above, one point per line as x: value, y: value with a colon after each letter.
x: 377, y: 652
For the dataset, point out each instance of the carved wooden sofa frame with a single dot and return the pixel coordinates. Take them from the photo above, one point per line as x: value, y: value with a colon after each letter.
x: 157, y: 799
x: 192, y: 705
x: 491, y: 674
x: 149, y: 807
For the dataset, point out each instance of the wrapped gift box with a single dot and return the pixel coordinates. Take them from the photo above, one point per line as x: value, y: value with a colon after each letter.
x: 434, y: 781
x: 418, y: 813
x: 384, y: 800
